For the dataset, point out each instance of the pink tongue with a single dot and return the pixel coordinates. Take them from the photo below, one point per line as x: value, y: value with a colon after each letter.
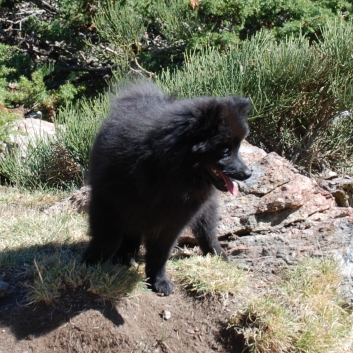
x: 230, y: 186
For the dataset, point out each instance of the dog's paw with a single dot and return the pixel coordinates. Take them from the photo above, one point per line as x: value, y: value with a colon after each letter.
x: 163, y: 285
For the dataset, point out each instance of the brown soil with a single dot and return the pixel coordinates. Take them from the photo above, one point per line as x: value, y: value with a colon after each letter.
x: 83, y: 323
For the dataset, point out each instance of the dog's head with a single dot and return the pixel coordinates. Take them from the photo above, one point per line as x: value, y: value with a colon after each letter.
x: 222, y: 127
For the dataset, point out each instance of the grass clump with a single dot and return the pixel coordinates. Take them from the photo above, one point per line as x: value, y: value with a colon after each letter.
x: 43, y: 164
x: 208, y: 276
x: 313, y: 290
x: 41, y: 251
x: 77, y: 126
x: 303, y: 313
x: 265, y: 326
x: 55, y: 274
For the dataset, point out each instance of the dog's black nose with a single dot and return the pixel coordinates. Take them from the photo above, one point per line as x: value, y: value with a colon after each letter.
x: 243, y: 174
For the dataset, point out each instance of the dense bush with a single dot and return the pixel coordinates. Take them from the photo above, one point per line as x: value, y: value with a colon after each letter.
x: 21, y: 84
x: 243, y: 19
x: 298, y: 90
x: 158, y: 32
x: 85, y: 40
x: 296, y: 72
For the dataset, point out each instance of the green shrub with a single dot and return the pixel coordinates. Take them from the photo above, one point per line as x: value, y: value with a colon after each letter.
x: 120, y: 25
x: 145, y: 36
x: 220, y: 23
x: 77, y: 126
x: 72, y: 17
x: 243, y: 19
x: 32, y: 93
x: 5, y: 128
x: 23, y: 84
x: 297, y: 91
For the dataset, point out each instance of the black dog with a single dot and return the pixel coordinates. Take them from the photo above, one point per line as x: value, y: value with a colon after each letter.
x: 154, y: 169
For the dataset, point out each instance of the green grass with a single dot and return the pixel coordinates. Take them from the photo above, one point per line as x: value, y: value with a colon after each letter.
x: 54, y: 274
x: 265, y: 326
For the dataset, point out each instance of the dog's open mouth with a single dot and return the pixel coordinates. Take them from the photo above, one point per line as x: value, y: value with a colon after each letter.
x: 222, y: 181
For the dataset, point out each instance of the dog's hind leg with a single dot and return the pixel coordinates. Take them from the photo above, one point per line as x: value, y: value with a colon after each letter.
x: 105, y: 231
x: 204, y: 228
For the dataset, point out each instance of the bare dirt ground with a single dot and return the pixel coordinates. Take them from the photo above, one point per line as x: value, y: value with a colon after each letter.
x: 83, y: 323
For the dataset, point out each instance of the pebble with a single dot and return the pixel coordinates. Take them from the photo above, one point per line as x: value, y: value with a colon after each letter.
x: 166, y: 315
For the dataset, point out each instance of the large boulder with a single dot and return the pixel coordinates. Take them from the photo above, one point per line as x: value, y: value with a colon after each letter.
x: 25, y: 131
x: 275, y: 198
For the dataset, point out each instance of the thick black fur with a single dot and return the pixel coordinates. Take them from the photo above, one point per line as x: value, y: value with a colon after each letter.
x: 150, y: 173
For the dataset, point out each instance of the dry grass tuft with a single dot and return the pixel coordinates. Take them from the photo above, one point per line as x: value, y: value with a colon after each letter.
x: 208, y: 276
x: 303, y: 313
x: 265, y: 326
x: 52, y: 277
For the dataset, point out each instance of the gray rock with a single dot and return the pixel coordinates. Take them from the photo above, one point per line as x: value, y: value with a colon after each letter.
x: 25, y: 131
x: 77, y: 202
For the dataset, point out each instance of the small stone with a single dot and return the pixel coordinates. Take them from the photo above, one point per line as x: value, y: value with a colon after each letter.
x: 166, y: 315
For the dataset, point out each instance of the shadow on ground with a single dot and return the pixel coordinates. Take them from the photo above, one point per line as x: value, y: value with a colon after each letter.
x: 25, y: 319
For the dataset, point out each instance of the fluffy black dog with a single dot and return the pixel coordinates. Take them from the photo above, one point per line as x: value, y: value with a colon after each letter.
x: 154, y: 169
